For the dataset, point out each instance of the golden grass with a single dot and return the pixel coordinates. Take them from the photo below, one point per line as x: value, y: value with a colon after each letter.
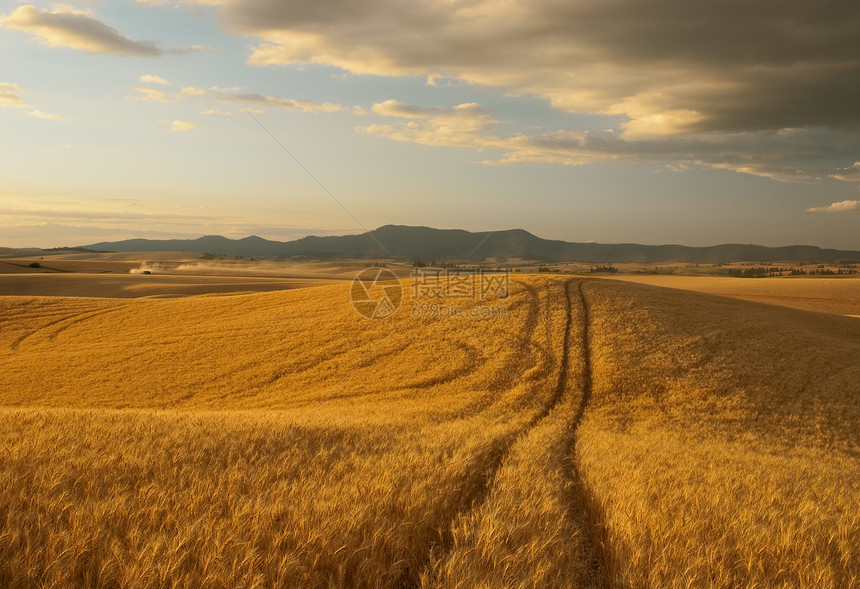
x: 108, y: 498
x: 599, y: 435
x: 839, y: 296
x: 721, y: 446
x: 199, y: 451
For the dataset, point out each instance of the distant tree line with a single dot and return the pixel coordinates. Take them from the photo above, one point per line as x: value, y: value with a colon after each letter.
x: 420, y: 264
x: 75, y: 250
x: 771, y: 271
x: 756, y: 272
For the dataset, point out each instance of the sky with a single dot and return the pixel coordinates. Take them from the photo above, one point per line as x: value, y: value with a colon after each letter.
x: 648, y: 121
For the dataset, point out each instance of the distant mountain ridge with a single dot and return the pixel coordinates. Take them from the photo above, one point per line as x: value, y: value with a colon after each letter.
x: 428, y: 244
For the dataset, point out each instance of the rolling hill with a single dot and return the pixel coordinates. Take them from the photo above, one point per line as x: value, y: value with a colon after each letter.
x: 6, y: 252
x: 426, y: 244
x: 596, y: 434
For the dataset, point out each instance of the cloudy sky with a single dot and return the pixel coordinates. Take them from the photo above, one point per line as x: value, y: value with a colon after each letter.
x: 654, y: 121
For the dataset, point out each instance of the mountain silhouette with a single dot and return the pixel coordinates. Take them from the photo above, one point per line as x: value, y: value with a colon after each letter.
x: 429, y: 244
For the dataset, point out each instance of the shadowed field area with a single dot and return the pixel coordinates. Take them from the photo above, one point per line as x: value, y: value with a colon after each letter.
x: 140, y: 285
x: 158, y: 274
x: 599, y: 434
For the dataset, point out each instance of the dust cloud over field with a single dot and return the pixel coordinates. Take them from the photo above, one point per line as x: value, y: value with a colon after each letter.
x: 246, y: 268
x: 600, y: 434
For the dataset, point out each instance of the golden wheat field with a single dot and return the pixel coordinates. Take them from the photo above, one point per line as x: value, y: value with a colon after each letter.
x: 597, y: 434
x: 840, y: 296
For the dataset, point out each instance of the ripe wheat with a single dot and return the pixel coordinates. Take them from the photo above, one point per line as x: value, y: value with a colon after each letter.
x: 599, y: 434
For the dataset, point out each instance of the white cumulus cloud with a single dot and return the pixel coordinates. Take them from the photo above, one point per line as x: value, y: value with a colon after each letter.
x: 181, y: 126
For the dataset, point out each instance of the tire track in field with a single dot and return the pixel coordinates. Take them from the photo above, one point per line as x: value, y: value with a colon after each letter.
x: 558, y: 391
x: 526, y: 337
x: 475, y: 356
x: 587, y: 376
x: 469, y: 354
x: 26, y: 335
x: 64, y: 323
x: 582, y: 507
x: 496, y: 456
x: 561, y: 383
x: 471, y: 357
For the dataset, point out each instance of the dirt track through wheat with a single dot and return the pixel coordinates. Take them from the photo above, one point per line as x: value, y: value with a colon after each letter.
x: 535, y: 478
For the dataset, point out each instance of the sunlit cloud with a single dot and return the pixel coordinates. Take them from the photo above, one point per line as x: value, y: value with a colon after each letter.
x: 198, y: 2
x: 849, y: 174
x: 181, y: 126
x: 154, y: 95
x: 669, y: 62
x: 67, y: 27
x: 667, y: 69
x: 232, y: 96
x: 278, y: 102
x: 151, y: 79
x: 796, y: 155
x: 10, y: 95
x: 660, y: 124
x: 837, y: 207
x: 393, y: 108
x: 463, y: 125
x: 43, y: 115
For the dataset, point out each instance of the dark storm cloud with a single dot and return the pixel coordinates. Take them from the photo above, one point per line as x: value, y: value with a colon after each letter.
x: 728, y: 65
